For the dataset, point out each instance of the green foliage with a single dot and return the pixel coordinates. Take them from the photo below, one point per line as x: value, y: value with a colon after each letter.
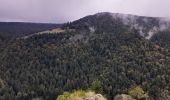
x: 76, y: 95
x: 97, y: 86
x: 138, y: 93
x: 65, y: 96
x: 48, y: 64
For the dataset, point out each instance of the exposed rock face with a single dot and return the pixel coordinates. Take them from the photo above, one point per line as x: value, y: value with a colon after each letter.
x: 95, y: 97
x: 81, y: 95
x: 123, y: 97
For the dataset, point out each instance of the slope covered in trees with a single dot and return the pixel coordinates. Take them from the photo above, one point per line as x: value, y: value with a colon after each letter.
x: 111, y: 22
x: 44, y: 66
x: 162, y: 38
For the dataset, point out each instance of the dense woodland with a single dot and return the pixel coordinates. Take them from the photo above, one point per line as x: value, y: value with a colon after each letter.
x: 162, y: 38
x: 44, y: 66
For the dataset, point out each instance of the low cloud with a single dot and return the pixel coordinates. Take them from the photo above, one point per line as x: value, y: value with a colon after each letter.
x: 59, y: 11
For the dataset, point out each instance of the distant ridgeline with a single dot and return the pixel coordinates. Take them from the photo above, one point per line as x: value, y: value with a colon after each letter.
x: 110, y: 22
x: 20, y: 29
x: 126, y: 65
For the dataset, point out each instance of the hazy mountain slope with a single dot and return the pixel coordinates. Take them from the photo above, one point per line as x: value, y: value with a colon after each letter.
x: 162, y: 38
x: 19, y: 29
x: 108, y: 22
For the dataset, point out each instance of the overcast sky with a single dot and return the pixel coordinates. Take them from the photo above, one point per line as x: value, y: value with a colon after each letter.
x: 59, y: 11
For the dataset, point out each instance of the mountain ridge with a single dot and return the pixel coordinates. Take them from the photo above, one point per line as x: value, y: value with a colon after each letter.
x: 108, y: 53
x: 146, y: 26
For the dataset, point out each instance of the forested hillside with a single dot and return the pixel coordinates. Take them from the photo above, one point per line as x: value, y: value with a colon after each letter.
x: 162, y: 38
x: 110, y: 22
x: 44, y: 66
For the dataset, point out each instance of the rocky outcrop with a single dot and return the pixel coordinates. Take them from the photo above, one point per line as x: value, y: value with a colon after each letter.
x: 95, y: 97
x: 123, y: 97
